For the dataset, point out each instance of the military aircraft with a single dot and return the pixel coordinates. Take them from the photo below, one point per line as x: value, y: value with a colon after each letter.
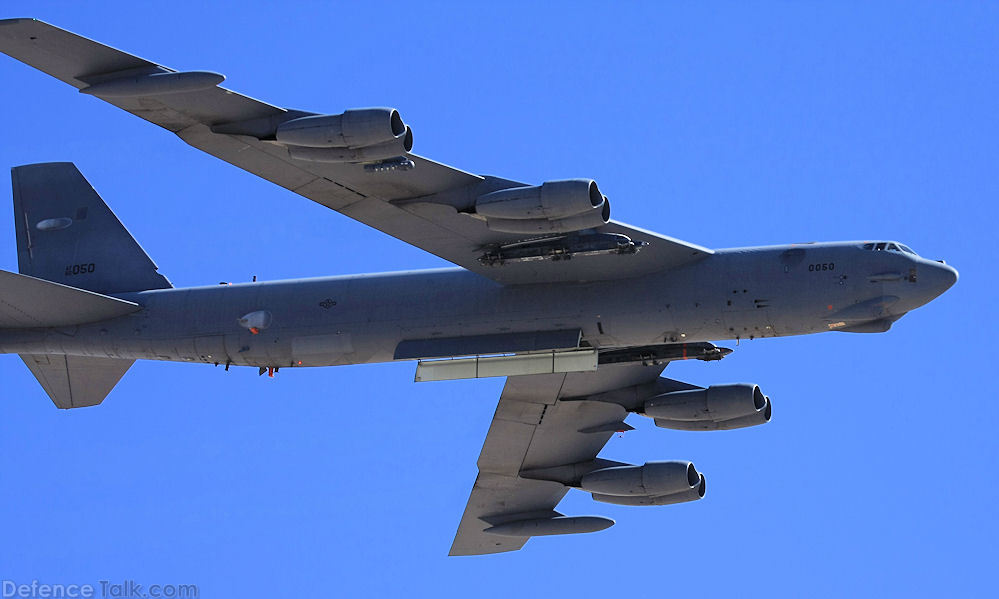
x: 581, y: 313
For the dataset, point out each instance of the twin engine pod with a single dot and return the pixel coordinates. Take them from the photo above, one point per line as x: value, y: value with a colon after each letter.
x: 361, y: 135
x: 720, y: 407
x: 655, y: 483
x: 553, y: 207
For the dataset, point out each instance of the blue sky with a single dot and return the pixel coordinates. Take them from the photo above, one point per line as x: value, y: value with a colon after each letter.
x: 727, y: 125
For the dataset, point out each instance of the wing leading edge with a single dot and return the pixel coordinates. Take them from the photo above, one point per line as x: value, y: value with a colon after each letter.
x: 426, y: 205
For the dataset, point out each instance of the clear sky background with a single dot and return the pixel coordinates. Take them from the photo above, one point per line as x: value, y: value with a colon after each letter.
x: 729, y: 125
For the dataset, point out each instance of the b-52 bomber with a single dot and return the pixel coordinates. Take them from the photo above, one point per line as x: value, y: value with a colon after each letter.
x: 581, y: 313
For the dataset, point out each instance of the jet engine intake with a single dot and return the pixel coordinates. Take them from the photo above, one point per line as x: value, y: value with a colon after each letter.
x: 652, y: 479
x: 719, y: 407
x: 358, y: 128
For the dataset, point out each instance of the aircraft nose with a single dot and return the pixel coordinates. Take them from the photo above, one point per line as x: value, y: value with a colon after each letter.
x: 942, y: 277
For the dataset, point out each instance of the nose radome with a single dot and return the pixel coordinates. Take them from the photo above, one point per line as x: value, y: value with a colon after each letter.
x: 944, y: 277
x: 951, y: 276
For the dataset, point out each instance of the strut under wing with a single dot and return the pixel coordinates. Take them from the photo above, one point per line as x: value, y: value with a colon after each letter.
x: 541, y: 421
x: 426, y: 205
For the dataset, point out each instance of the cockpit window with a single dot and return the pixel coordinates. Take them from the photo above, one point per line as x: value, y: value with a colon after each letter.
x: 888, y: 246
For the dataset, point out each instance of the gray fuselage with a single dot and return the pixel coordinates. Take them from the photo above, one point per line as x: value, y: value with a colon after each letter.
x: 741, y: 293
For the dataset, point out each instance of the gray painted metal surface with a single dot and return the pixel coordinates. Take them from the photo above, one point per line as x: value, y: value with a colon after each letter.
x: 72, y: 230
x: 487, y: 344
x: 631, y: 300
x: 76, y: 381
x: 31, y: 302
x: 478, y: 367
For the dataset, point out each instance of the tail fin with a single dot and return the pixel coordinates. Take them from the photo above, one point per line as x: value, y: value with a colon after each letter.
x: 67, y: 234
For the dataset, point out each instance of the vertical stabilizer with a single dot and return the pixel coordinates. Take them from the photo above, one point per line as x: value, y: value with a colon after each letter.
x: 67, y: 234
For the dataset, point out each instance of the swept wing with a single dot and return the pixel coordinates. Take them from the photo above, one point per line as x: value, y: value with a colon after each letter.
x: 425, y: 204
x: 541, y: 421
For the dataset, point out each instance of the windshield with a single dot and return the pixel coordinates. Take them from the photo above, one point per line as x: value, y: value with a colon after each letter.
x: 888, y: 246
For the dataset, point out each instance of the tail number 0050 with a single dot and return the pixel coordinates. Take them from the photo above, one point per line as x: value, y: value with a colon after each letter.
x: 80, y: 269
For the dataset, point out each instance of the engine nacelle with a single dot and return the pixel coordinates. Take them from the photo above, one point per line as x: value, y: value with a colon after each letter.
x: 681, y: 497
x: 535, y: 226
x: 359, y: 128
x: 552, y: 200
x: 720, y: 407
x: 553, y: 207
x: 652, y: 479
x: 389, y: 149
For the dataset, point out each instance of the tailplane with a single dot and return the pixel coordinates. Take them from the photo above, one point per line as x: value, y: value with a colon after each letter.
x: 76, y: 381
x: 27, y: 303
x: 70, y: 381
x: 67, y: 234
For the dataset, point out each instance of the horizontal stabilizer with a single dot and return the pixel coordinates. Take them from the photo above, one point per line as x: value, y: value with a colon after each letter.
x: 27, y: 302
x: 76, y: 381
